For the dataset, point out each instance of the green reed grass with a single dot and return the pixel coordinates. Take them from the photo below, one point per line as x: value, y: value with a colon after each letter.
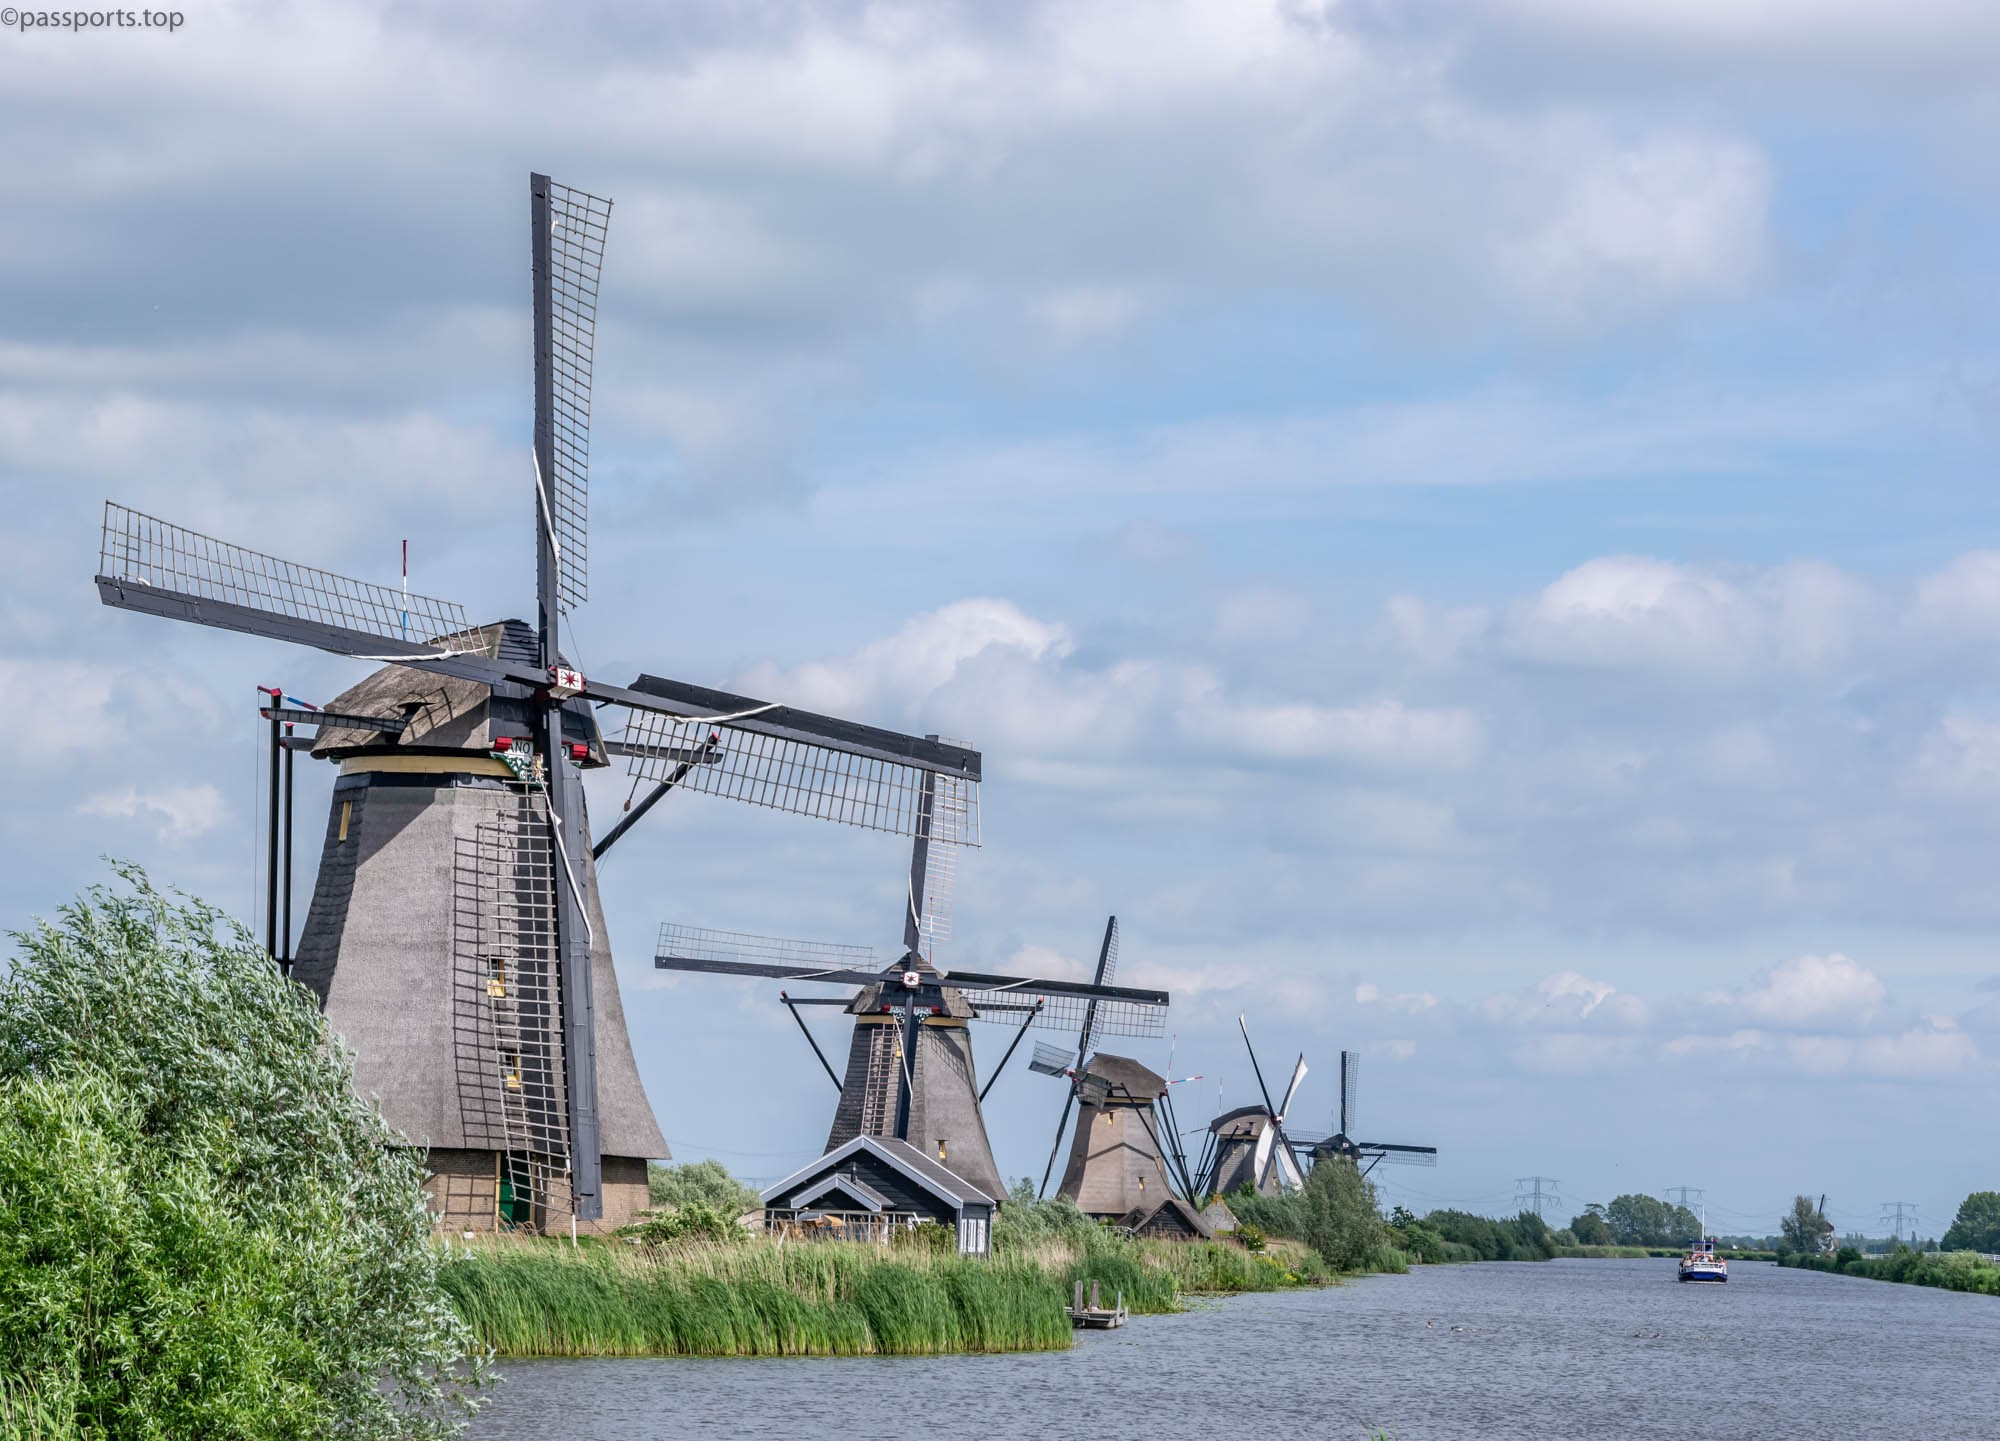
x: 751, y: 1299
x: 756, y: 1296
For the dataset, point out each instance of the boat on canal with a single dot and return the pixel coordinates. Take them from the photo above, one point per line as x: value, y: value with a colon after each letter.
x: 1702, y: 1264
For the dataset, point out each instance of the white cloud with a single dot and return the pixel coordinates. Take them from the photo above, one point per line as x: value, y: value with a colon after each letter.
x: 1963, y: 749
x: 1649, y: 224
x: 1368, y: 993
x: 1814, y: 990
x: 1382, y: 732
x: 85, y: 723
x: 181, y: 812
x: 904, y: 670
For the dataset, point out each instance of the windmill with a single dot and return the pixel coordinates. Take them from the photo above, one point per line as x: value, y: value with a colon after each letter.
x: 1248, y: 1146
x: 1051, y: 1062
x: 1123, y: 1163
x: 455, y: 937
x: 1365, y: 1154
x: 910, y: 1072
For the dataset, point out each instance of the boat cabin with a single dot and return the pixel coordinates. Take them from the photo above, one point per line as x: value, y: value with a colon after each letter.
x: 867, y: 1188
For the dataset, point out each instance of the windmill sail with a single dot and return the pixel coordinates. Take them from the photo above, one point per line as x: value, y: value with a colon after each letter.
x: 1298, y: 1074
x: 577, y: 224
x: 763, y: 754
x: 151, y: 565
x: 788, y: 760
x: 1260, y: 1165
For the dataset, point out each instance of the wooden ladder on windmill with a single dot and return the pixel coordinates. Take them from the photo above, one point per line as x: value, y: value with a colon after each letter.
x: 878, y: 1105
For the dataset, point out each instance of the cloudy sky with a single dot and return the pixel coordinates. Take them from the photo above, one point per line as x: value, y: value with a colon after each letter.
x: 1472, y: 529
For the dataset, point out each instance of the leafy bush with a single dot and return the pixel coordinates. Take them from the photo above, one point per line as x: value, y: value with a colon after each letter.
x: 1342, y: 1220
x: 1976, y: 1227
x: 1022, y: 1223
x: 689, y: 1221
x: 1273, y: 1215
x: 1591, y: 1229
x: 1524, y: 1237
x: 1419, y: 1240
x: 700, y: 1183
x: 1250, y: 1238
x: 1948, y: 1270
x: 203, y: 1231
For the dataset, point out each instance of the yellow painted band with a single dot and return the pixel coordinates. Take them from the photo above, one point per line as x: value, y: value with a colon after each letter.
x: 469, y: 765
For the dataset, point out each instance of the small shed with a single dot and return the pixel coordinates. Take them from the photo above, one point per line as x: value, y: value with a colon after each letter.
x: 866, y: 1188
x: 1218, y: 1216
x: 1169, y: 1219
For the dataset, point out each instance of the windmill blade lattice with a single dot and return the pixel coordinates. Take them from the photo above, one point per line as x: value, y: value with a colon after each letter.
x: 1350, y: 1089
x: 149, y: 564
x: 953, y: 824
x: 1052, y: 1060
x: 791, y: 773
x: 1066, y: 1012
x: 698, y: 943
x: 1401, y: 1155
x: 577, y: 225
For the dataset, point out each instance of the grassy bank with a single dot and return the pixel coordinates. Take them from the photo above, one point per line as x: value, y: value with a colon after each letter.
x: 1947, y: 1270
x: 756, y: 1297
x: 1627, y: 1253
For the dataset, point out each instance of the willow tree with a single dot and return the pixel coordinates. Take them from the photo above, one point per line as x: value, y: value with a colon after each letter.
x: 203, y: 1231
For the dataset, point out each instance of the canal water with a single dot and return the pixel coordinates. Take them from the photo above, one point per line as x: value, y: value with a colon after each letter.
x: 1539, y: 1351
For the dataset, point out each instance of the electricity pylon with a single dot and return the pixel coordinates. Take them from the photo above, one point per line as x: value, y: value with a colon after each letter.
x: 1533, y: 1193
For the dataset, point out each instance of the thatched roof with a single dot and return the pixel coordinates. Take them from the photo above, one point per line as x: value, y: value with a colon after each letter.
x: 1129, y: 1079
x: 447, y: 713
x: 1248, y: 1119
x: 1170, y: 1216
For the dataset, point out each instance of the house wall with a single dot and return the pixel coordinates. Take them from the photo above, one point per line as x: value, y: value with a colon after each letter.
x: 463, y: 1187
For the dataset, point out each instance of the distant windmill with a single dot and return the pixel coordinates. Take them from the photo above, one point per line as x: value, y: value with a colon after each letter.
x: 1051, y: 1062
x: 1248, y: 1146
x: 910, y: 1072
x: 1123, y: 1159
x: 455, y: 936
x: 1365, y: 1154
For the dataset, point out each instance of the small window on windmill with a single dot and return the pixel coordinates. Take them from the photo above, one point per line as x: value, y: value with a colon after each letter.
x: 510, y: 1069
x: 496, y: 977
x: 346, y: 810
x: 940, y: 1148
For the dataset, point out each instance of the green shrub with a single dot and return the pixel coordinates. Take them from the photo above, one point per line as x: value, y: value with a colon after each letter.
x: 1250, y: 1238
x: 1525, y: 1237
x: 1022, y: 1222
x: 1341, y: 1218
x: 700, y: 1183
x: 690, y: 1221
x: 203, y: 1232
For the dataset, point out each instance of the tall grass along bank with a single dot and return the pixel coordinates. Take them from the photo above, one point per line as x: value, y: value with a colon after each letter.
x: 761, y: 1297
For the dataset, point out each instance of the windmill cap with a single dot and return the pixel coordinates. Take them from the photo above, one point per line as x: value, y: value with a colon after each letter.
x: 445, y: 714
x: 1138, y: 1082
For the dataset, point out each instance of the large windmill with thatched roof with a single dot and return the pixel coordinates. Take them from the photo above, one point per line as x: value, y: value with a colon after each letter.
x: 455, y: 936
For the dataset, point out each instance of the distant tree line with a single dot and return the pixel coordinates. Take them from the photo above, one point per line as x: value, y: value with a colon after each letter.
x: 1977, y: 1226
x: 1635, y: 1220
